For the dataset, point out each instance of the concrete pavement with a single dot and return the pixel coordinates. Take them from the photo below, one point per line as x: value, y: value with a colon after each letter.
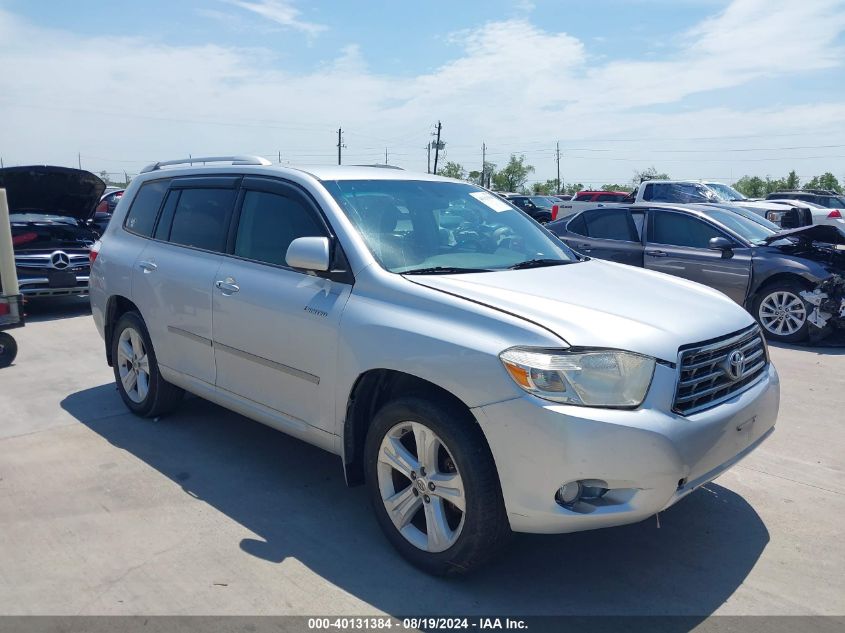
x: 206, y: 512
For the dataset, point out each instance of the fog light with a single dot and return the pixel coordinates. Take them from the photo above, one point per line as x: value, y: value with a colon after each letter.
x: 569, y: 493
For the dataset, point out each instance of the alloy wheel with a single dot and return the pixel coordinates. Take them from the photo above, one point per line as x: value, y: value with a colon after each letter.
x: 421, y: 487
x: 133, y: 365
x: 782, y: 313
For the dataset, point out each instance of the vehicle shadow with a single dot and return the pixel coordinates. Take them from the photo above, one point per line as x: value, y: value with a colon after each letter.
x: 54, y: 308
x: 834, y: 345
x: 293, y: 495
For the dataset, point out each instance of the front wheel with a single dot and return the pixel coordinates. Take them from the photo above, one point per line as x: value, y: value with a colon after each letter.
x: 8, y: 349
x: 782, y: 313
x: 434, y: 486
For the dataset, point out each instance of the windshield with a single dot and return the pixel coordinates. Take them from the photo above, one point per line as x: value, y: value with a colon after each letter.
x: 412, y: 225
x: 745, y: 223
x: 724, y: 192
x: 540, y: 201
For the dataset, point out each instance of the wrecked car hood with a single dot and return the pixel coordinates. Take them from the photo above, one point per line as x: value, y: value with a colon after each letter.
x: 603, y: 304
x: 816, y: 233
x: 50, y: 190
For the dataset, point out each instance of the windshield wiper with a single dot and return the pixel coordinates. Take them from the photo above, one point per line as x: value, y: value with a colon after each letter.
x: 444, y: 270
x: 539, y: 263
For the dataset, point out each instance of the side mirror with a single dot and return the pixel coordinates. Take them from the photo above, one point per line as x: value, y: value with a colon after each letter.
x: 309, y: 253
x: 721, y: 244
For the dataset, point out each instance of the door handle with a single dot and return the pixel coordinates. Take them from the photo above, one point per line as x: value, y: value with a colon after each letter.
x: 227, y: 286
x: 584, y: 247
x: 147, y: 267
x: 656, y: 254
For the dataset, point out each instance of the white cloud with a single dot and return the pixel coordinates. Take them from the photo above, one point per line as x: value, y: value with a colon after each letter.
x: 122, y: 102
x: 282, y: 12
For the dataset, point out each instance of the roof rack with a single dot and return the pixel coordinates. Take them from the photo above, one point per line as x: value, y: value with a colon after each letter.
x: 235, y: 160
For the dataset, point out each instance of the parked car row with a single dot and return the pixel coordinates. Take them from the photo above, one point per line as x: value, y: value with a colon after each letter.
x: 769, y: 271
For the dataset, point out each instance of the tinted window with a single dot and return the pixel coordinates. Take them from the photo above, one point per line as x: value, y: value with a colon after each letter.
x: 676, y: 229
x: 578, y: 225
x: 142, y: 215
x: 201, y: 218
x: 610, y: 224
x: 269, y: 223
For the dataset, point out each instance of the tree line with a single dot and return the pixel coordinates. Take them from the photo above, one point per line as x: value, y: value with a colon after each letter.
x: 514, y: 177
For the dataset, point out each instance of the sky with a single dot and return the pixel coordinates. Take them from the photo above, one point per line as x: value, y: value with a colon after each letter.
x: 708, y: 89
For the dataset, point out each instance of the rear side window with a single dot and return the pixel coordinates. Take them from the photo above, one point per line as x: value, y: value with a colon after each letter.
x: 610, y: 224
x: 578, y: 225
x: 269, y: 223
x: 675, y: 229
x: 142, y: 214
x: 201, y: 218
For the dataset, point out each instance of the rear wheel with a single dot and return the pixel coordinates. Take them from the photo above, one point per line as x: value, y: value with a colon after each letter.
x: 782, y: 313
x: 136, y: 371
x: 434, y: 486
x: 8, y: 349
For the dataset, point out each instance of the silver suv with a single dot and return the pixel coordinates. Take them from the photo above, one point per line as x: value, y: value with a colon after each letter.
x: 474, y: 372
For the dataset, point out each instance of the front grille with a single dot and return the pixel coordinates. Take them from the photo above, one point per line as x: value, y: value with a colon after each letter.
x: 705, y: 380
x: 42, y: 260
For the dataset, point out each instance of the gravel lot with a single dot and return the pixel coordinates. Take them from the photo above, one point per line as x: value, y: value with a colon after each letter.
x: 206, y: 512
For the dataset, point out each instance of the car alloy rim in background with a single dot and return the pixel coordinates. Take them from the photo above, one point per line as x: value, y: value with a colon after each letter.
x: 133, y: 365
x: 421, y: 487
x: 782, y: 313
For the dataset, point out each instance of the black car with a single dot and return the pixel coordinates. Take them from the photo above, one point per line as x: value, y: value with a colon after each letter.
x: 51, y: 212
x: 753, y: 261
x: 538, y: 207
x: 821, y: 197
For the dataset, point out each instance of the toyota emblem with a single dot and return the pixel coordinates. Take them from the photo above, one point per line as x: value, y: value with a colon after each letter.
x: 735, y: 365
x: 60, y: 260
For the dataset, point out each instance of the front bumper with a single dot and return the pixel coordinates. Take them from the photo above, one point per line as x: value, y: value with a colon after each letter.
x: 39, y: 286
x: 649, y: 458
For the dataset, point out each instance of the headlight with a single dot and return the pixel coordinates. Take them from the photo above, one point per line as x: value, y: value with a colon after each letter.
x: 592, y: 378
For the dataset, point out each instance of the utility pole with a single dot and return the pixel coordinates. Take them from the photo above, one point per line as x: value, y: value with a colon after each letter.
x: 79, y: 159
x: 483, y: 161
x: 385, y: 156
x: 340, y: 144
x: 428, y: 149
x: 280, y: 157
x: 557, y: 151
x: 437, y: 147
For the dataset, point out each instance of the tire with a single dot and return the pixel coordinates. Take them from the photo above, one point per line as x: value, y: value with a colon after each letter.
x: 8, y: 349
x: 786, y: 295
x: 461, y: 460
x: 148, y: 395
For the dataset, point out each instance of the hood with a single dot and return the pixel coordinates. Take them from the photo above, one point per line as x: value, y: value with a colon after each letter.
x: 43, y: 189
x: 817, y: 233
x: 603, y: 304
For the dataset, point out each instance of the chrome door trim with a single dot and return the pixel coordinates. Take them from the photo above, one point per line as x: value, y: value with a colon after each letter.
x: 293, y: 371
x: 190, y: 335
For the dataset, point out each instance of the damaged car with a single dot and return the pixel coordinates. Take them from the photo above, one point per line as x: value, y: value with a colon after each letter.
x: 51, y: 210
x: 777, y: 275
